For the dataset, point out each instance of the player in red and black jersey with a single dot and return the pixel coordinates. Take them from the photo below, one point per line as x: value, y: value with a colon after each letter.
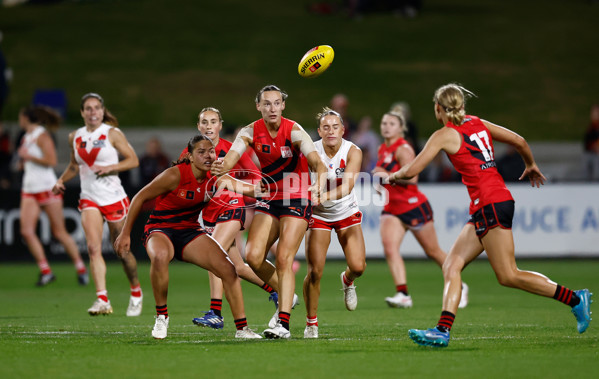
x: 285, y: 151
x: 172, y: 230
x: 406, y: 209
x: 225, y: 216
x: 468, y: 141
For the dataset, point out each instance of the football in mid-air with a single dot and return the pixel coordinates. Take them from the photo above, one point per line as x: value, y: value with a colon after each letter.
x: 316, y: 61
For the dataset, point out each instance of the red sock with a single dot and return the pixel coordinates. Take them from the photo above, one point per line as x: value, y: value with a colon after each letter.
x: 311, y: 321
x: 136, y: 291
x: 403, y: 288
x: 44, y: 267
x: 103, y: 295
x: 346, y: 281
x: 80, y: 267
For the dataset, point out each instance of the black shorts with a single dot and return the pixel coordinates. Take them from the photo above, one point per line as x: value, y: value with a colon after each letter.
x: 416, y: 217
x: 286, y: 208
x: 237, y: 214
x: 492, y: 215
x: 178, y: 237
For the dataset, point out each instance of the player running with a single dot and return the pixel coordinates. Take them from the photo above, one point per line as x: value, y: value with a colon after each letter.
x: 285, y: 151
x: 95, y: 151
x: 38, y: 153
x: 468, y: 142
x: 173, y: 231
x: 338, y: 210
x: 407, y: 209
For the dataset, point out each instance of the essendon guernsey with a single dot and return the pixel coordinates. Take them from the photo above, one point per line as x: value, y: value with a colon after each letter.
x: 402, y: 197
x: 284, y: 167
x: 180, y: 209
x: 475, y: 161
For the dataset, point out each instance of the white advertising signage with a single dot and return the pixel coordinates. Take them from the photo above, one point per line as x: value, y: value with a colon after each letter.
x: 556, y: 220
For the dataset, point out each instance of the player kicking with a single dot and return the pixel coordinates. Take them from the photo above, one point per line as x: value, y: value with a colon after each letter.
x: 468, y: 142
x: 285, y: 151
x: 338, y: 210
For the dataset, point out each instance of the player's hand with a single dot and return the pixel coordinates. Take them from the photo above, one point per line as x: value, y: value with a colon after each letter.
x: 22, y: 153
x: 537, y: 179
x: 122, y: 245
x: 105, y: 170
x: 316, y: 194
x: 58, y: 188
x: 217, y: 168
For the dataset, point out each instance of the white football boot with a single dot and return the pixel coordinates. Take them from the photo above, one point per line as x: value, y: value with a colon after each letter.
x: 400, y: 300
x: 160, y: 327
x: 351, y: 299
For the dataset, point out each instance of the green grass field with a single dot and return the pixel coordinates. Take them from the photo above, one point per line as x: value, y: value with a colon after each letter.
x: 46, y: 332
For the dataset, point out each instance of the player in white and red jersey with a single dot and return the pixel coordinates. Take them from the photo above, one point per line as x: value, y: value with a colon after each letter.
x: 468, y: 142
x: 38, y: 153
x: 225, y: 216
x: 338, y: 210
x: 95, y: 150
x: 172, y: 230
x: 285, y: 151
x: 407, y: 209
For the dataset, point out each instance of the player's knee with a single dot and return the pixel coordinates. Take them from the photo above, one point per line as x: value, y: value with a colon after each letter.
x: 28, y: 234
x: 451, y: 268
x: 314, y: 275
x: 94, y: 250
x: 253, y: 260
x: 358, y: 269
x: 507, y: 279
x: 160, y: 257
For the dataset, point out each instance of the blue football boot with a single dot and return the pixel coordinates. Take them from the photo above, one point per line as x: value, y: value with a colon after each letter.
x: 430, y: 337
x: 582, y: 311
x: 274, y: 297
x: 210, y: 319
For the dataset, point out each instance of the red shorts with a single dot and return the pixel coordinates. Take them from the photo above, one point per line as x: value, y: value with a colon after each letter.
x: 355, y: 219
x: 112, y: 213
x: 43, y: 198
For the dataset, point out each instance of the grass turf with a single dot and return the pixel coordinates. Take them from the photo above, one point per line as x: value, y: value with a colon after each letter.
x: 46, y: 332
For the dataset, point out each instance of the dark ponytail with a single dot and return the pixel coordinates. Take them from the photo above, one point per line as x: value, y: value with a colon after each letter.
x: 190, y: 145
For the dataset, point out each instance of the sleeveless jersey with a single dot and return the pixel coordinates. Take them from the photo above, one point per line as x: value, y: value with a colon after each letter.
x: 36, y: 178
x: 340, y: 209
x: 94, y: 149
x: 226, y: 200
x: 180, y: 208
x: 284, y: 167
x: 475, y: 161
x: 402, y: 197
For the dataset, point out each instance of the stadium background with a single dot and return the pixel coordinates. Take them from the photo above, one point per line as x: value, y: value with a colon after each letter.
x: 532, y: 65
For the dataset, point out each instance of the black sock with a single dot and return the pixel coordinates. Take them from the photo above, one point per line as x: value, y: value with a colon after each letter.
x: 446, y: 321
x: 566, y: 296
x: 216, y: 306
x: 284, y: 318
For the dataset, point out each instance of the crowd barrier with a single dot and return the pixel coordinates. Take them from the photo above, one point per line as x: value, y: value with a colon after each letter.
x: 557, y: 220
